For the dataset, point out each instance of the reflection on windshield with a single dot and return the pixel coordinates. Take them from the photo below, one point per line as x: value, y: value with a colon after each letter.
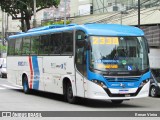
x: 118, y: 53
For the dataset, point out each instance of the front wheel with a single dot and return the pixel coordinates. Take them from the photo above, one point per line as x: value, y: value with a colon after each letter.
x: 25, y: 85
x: 69, y: 94
x: 117, y: 101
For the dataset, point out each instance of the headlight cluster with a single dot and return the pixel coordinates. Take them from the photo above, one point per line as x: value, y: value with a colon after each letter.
x: 143, y: 83
x: 100, y: 83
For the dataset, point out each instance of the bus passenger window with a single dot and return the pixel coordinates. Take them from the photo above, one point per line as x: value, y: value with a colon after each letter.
x: 67, y: 42
x: 18, y: 46
x: 44, y: 44
x: 11, y: 49
x: 34, y: 45
x: 55, y: 44
x: 26, y: 46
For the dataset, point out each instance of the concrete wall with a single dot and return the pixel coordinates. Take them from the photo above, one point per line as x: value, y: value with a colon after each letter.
x: 154, y: 58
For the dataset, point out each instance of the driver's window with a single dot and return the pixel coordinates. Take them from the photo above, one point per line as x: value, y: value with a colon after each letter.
x: 80, y: 52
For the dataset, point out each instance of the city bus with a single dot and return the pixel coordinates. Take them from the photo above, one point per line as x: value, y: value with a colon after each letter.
x: 93, y: 61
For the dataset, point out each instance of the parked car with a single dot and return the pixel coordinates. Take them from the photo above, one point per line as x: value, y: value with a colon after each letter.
x: 3, y: 71
x: 155, y: 83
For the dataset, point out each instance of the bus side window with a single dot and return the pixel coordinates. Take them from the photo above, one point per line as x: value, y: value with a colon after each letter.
x: 44, y: 44
x: 11, y: 49
x: 55, y: 43
x: 26, y: 46
x: 34, y: 45
x: 67, y: 42
x: 18, y: 46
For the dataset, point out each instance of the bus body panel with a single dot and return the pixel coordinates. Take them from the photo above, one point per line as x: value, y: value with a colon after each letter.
x: 80, y: 84
x: 55, y: 69
x: 47, y: 71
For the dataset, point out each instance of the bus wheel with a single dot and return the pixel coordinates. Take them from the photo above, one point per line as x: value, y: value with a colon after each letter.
x: 153, y: 92
x: 25, y: 85
x: 117, y: 101
x: 69, y: 94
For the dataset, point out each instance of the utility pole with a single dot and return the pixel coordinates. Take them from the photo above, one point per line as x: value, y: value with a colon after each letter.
x: 34, y: 19
x: 103, y: 6
x: 65, y: 12
x: 139, y: 13
x: 3, y: 29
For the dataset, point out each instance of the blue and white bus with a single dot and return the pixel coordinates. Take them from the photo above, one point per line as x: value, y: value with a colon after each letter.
x: 94, y: 61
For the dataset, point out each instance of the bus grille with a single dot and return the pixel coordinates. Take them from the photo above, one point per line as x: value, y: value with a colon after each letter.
x: 128, y: 79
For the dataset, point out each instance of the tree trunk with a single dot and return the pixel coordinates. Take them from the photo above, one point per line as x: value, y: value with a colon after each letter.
x: 27, y: 18
x: 22, y: 22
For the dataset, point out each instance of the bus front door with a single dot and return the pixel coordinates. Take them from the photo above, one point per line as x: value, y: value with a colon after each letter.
x: 80, y: 72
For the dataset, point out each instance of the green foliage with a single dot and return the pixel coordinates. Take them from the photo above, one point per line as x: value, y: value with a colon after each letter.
x: 61, y: 22
x: 25, y: 8
x: 14, y: 7
x: 3, y: 48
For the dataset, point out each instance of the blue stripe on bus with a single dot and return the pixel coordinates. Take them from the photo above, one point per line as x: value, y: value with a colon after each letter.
x: 36, y: 72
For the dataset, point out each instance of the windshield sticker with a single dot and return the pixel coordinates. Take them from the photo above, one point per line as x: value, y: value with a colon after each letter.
x: 107, y: 61
x: 129, y: 67
x: 108, y: 66
x: 105, y: 40
x: 124, y: 62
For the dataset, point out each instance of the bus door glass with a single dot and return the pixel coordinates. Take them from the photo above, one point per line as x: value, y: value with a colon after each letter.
x: 80, y: 60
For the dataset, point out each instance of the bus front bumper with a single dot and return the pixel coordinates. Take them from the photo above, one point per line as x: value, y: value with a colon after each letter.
x: 95, y: 91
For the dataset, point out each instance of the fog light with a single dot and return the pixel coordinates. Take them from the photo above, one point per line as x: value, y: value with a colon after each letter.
x: 100, y: 83
x: 143, y: 83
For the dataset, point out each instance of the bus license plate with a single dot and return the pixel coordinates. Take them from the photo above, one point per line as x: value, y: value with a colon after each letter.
x: 123, y: 91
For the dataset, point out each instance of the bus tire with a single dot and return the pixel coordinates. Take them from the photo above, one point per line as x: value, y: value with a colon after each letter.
x: 26, y: 89
x: 117, y: 101
x: 69, y: 94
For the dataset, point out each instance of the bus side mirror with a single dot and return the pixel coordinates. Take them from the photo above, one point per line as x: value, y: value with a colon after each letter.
x: 88, y: 45
x: 148, y: 50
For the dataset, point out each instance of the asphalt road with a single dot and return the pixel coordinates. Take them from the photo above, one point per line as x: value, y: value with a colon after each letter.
x: 12, y: 98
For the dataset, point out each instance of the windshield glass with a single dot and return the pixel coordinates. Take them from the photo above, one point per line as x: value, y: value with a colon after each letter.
x: 118, y: 53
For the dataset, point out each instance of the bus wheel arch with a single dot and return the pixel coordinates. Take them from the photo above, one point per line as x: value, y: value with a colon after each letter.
x: 25, y: 84
x: 68, y: 91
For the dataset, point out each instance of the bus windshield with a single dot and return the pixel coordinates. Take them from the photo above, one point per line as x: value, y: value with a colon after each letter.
x: 118, y: 53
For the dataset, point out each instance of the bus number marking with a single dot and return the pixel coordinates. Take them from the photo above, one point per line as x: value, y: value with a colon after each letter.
x: 95, y: 40
x: 105, y: 40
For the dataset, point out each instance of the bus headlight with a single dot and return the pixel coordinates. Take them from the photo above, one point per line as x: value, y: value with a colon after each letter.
x: 100, y: 83
x: 143, y: 83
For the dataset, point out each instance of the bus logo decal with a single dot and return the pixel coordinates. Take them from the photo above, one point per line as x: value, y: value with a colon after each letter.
x: 36, y: 72
x: 122, y: 85
x: 31, y: 73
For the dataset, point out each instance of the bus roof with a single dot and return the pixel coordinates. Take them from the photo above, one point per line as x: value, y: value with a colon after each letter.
x: 89, y: 29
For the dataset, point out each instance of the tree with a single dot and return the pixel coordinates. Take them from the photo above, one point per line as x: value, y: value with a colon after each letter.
x: 25, y: 8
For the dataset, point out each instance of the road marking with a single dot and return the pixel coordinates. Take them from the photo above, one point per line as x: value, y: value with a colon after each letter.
x: 11, y: 87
